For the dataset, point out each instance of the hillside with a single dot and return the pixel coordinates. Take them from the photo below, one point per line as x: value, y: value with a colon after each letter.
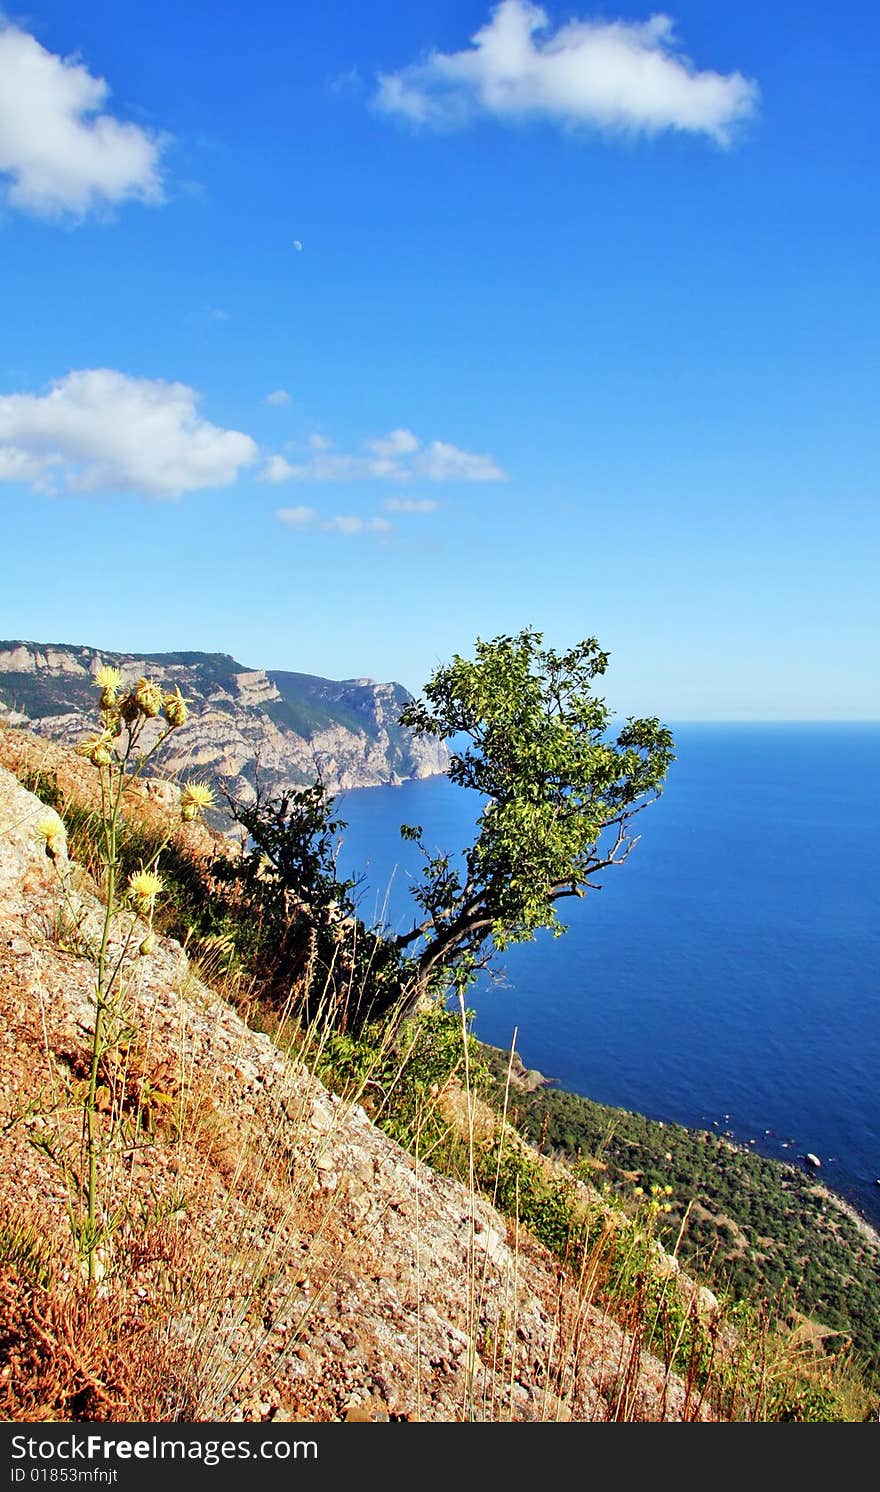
x: 296, y: 726
x: 302, y: 1221
x: 757, y: 1227
x: 269, y: 1253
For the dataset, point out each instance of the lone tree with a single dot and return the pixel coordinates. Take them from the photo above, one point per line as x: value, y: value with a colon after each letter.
x: 559, y: 797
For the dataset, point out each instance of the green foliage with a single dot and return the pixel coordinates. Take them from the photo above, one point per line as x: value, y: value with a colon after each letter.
x: 758, y: 1228
x: 25, y: 1253
x: 559, y: 793
x: 291, y: 850
x: 398, y: 1068
x: 293, y: 920
x: 524, y: 1189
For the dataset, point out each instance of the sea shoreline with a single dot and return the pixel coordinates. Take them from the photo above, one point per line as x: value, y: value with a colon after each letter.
x: 529, y: 1080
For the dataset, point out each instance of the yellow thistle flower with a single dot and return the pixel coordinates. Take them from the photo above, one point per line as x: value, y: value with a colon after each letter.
x: 50, y: 828
x: 144, y: 886
x: 194, y: 799
x: 176, y: 709
x: 97, y: 748
x: 107, y: 679
x: 149, y: 696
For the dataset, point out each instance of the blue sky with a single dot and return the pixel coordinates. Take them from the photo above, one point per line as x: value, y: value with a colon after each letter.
x: 334, y: 338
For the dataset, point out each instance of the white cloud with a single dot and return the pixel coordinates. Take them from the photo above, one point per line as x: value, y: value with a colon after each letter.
x: 319, y: 468
x: 277, y: 469
x: 443, y: 462
x: 626, y: 76
x: 296, y: 517
x: 21, y: 466
x: 279, y: 397
x: 410, y: 505
x: 61, y: 154
x: 342, y: 523
x: 98, y: 430
x: 396, y: 443
x: 349, y: 523
x: 399, y: 456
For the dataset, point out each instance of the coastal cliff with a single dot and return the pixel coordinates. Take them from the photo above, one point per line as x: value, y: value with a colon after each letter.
x: 290, y: 727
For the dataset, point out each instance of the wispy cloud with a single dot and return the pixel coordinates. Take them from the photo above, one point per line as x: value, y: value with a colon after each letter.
x: 98, y: 430
x: 347, y: 82
x: 61, y: 155
x: 410, y: 505
x: 399, y: 456
x: 396, y: 443
x: 278, y: 397
x: 442, y: 462
x: 296, y: 517
x: 207, y: 316
x: 341, y: 523
x: 626, y: 76
x: 350, y: 523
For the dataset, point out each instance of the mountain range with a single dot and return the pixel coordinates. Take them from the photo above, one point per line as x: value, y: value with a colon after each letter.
x: 291, y: 728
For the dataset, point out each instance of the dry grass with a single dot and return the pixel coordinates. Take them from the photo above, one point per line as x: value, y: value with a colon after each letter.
x: 230, y: 1257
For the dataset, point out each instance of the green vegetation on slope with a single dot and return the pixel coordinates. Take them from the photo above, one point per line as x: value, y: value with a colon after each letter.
x: 41, y: 695
x: 309, y: 703
x: 758, y: 1227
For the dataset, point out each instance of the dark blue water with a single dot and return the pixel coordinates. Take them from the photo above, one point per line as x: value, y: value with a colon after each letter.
x: 729, y: 972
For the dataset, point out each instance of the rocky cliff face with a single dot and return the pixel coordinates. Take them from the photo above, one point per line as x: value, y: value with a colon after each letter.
x: 296, y: 727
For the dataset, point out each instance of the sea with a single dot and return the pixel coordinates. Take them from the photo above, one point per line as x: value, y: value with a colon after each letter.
x: 727, y: 976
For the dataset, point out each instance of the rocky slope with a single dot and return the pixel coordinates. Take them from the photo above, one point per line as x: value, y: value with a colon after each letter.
x: 271, y: 1254
x: 297, y: 727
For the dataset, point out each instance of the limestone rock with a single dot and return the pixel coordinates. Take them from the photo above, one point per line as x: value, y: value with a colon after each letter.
x: 299, y: 727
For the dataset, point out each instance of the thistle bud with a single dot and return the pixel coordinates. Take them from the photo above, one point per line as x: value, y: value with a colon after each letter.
x: 86, y: 746
x: 97, y: 748
x: 149, y: 697
x: 129, y: 709
x: 147, y: 945
x: 176, y: 709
